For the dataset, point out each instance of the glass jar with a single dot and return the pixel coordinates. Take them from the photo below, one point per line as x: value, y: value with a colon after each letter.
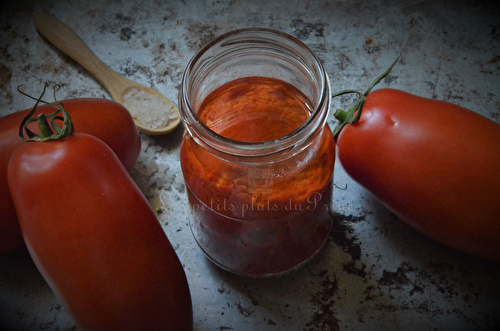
x: 257, y: 156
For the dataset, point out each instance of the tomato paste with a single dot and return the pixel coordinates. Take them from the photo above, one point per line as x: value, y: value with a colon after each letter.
x: 267, y: 215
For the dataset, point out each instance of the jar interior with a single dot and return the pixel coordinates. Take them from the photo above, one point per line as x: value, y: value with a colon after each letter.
x: 256, y: 54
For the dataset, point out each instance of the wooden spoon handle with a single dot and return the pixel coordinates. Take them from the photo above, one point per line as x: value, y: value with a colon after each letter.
x: 70, y: 43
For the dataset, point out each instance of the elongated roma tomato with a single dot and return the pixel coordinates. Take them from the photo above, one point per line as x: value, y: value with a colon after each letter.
x: 95, y: 239
x: 434, y: 164
x: 105, y: 119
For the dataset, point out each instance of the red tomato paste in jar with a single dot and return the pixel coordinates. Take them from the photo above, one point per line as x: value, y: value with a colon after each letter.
x: 264, y: 216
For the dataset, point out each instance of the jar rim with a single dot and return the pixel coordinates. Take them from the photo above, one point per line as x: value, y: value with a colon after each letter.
x: 244, y: 148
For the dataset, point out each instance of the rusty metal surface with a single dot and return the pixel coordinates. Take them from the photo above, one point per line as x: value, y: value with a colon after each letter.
x: 375, y: 272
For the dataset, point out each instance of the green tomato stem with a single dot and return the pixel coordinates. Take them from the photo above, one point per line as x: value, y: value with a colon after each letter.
x: 44, y: 126
x: 353, y: 114
x: 46, y: 129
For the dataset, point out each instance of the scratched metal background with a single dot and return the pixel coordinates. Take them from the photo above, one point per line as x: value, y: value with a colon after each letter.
x: 375, y: 273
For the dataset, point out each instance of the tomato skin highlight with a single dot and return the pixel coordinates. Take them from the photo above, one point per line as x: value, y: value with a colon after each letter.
x: 434, y: 164
x: 102, y: 118
x: 95, y: 239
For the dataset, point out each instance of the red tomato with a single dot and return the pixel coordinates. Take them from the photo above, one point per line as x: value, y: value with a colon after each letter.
x: 434, y: 164
x: 95, y: 239
x: 105, y: 119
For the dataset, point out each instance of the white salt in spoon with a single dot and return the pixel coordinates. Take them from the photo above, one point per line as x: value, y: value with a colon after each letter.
x: 146, y: 105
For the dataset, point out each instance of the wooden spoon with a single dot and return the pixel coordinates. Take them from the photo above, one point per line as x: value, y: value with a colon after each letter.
x: 118, y: 86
